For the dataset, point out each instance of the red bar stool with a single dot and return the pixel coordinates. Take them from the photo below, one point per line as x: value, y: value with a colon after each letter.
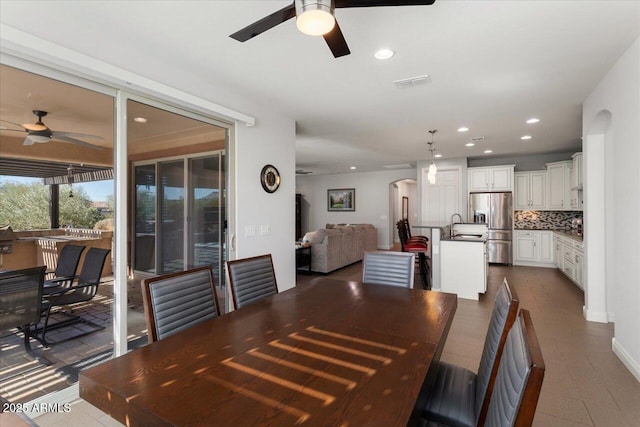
x: 418, y: 245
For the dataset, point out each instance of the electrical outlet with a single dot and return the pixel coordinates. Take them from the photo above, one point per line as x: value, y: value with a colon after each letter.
x: 250, y: 230
x: 265, y: 229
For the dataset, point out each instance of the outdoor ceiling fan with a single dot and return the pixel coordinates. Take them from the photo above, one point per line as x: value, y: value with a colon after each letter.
x: 38, y: 132
x: 316, y: 18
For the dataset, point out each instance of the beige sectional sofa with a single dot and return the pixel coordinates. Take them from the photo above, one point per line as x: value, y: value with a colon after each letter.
x: 337, y: 246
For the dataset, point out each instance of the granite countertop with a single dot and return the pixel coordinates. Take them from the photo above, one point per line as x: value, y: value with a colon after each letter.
x: 481, y: 239
x: 568, y: 232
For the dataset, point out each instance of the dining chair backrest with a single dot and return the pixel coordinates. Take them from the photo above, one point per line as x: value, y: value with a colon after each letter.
x: 389, y: 268
x: 176, y: 301
x: 520, y: 376
x: 68, y: 260
x: 251, y: 279
x: 402, y: 233
x: 21, y: 297
x: 92, y: 267
x: 503, y: 314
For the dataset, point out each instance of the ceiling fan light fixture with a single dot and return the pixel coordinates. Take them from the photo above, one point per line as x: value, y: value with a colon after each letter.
x: 39, y: 138
x: 315, y: 17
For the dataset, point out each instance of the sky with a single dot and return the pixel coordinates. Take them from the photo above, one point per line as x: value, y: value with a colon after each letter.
x: 97, y: 190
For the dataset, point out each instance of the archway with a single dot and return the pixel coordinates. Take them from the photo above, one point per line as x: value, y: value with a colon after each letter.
x: 398, y: 191
x: 597, y: 149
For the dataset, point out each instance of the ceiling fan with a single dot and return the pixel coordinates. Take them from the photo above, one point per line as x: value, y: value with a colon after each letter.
x: 38, y: 132
x: 316, y: 18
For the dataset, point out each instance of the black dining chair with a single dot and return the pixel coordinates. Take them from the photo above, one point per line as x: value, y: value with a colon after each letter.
x: 82, y: 288
x: 176, y: 301
x: 66, y: 266
x: 514, y: 397
x: 251, y: 279
x: 460, y: 397
x: 21, y: 300
x: 388, y: 268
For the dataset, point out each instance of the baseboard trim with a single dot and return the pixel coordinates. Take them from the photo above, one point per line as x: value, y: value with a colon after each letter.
x: 595, y: 316
x: 625, y: 358
x: 53, y: 401
x: 534, y: 264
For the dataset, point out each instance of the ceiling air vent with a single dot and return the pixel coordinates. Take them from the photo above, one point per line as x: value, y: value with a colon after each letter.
x: 399, y: 166
x: 477, y: 139
x: 413, y: 81
x: 302, y: 172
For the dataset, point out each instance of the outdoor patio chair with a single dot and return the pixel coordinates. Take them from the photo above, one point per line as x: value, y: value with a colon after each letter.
x: 251, y: 279
x: 84, y: 290
x: 66, y: 267
x: 21, y: 300
x: 176, y: 301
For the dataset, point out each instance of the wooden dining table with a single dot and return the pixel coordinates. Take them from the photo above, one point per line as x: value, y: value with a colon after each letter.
x: 331, y: 352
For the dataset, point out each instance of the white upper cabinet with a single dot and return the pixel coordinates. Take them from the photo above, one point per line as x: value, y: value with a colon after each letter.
x: 530, y: 190
x: 559, y: 185
x: 493, y: 178
x: 576, y: 182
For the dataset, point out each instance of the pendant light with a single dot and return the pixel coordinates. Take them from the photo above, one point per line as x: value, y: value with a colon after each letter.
x: 433, y: 169
x: 70, y: 179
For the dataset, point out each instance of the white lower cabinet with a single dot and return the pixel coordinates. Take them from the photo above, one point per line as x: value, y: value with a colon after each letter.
x: 534, y: 248
x: 569, y: 258
x: 470, y: 280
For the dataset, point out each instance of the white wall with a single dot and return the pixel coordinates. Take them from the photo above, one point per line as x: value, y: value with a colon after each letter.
x: 445, y: 164
x: 618, y: 94
x: 372, y: 199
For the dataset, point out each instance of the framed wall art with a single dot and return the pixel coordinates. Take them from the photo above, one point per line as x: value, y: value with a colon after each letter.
x: 342, y: 199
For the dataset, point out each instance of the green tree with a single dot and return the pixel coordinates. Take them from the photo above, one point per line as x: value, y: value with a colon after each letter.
x: 24, y: 206
x: 77, y: 210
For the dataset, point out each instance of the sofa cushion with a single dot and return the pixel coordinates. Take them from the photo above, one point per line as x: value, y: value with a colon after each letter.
x: 309, y: 236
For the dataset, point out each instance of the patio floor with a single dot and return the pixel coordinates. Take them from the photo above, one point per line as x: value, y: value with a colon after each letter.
x: 24, y: 377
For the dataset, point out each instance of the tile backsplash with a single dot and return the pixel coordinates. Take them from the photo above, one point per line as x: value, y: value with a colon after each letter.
x: 544, y: 220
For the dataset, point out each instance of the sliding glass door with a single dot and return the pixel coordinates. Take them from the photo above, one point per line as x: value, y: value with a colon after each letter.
x: 180, y: 214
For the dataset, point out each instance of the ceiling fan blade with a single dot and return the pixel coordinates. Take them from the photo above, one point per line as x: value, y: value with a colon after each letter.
x: 375, y: 3
x: 336, y: 42
x: 265, y: 24
x: 77, y: 142
x: 29, y: 140
x: 58, y: 134
x: 11, y: 130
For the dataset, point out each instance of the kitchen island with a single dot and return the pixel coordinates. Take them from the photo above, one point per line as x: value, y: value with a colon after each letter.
x: 434, y: 232
x: 464, y: 261
x: 42, y: 247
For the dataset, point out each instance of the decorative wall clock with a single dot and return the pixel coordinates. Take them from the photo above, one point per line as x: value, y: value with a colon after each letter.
x: 270, y: 178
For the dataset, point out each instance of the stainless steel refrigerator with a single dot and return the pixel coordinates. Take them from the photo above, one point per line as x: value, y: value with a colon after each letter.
x: 495, y: 210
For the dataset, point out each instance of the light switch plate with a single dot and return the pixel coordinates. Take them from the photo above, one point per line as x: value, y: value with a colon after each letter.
x: 265, y: 229
x: 250, y: 230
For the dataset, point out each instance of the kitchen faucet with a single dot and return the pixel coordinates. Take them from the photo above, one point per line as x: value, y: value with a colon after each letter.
x: 451, y: 226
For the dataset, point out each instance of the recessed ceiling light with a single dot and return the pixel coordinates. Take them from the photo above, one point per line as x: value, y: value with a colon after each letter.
x: 352, y: 168
x: 533, y: 120
x: 469, y: 144
x: 463, y: 129
x: 488, y: 151
x: 437, y: 156
x: 525, y: 137
x: 140, y: 120
x: 384, y: 54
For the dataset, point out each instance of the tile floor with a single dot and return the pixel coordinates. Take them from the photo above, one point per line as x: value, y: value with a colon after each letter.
x: 585, y: 383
